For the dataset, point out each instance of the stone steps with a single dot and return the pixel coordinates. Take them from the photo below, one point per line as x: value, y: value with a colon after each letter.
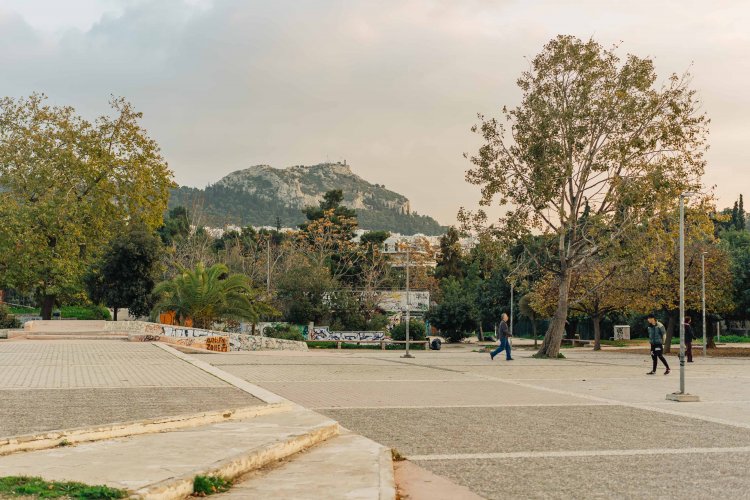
x: 163, y: 466
x: 348, y: 466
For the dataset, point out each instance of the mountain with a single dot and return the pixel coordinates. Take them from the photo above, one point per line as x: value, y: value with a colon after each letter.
x: 262, y: 196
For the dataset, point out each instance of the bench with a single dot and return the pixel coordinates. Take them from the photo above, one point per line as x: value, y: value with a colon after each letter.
x: 381, y: 342
x: 578, y: 342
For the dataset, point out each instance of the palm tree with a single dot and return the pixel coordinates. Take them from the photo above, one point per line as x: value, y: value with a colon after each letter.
x: 207, y: 295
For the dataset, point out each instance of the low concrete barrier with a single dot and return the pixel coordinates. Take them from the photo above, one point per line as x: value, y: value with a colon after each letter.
x: 143, y: 331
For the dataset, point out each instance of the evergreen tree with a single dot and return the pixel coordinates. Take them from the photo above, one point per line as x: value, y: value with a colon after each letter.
x: 741, y: 223
x: 734, y: 221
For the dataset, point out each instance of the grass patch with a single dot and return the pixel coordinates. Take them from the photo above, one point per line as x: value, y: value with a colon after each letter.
x: 22, y: 310
x: 74, y: 312
x: 396, y: 456
x: 210, y: 485
x: 64, y: 443
x: 23, y: 486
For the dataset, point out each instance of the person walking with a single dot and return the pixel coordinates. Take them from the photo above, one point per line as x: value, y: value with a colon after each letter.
x: 656, y: 333
x: 689, y: 338
x: 505, y: 336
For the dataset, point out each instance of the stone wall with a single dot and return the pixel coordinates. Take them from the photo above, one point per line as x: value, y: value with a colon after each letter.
x: 196, y: 337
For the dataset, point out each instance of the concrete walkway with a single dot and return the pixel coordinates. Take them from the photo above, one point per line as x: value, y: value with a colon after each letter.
x: 153, y: 464
x: 587, y: 426
x: 348, y: 466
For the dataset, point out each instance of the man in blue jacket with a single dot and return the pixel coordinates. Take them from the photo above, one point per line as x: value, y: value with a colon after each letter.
x: 656, y: 333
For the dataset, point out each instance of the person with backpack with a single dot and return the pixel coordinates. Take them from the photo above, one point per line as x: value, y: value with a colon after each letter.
x: 656, y: 333
x: 689, y: 336
x: 505, y: 336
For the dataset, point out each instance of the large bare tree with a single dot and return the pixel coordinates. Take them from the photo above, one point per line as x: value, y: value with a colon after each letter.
x: 596, y: 147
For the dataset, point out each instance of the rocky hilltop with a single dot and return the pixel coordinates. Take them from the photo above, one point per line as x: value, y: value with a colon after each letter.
x: 263, y: 195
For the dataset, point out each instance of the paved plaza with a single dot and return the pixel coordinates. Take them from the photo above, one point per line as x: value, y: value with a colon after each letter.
x: 48, y: 385
x: 593, y: 425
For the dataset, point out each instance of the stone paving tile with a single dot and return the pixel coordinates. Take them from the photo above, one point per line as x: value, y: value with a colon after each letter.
x: 26, y: 412
x: 407, y: 393
x: 652, y: 390
x: 341, y: 373
x: 429, y: 431
x: 694, y: 476
x: 105, y: 364
x: 281, y: 359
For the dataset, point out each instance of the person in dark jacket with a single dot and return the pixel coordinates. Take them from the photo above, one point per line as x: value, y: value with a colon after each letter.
x: 689, y: 338
x: 656, y: 333
x: 505, y: 336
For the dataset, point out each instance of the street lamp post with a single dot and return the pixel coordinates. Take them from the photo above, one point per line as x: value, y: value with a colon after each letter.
x: 511, y: 309
x: 703, y: 298
x: 408, y: 304
x: 682, y: 396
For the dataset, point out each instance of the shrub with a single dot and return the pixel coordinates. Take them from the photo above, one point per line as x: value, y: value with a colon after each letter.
x: 209, y: 485
x: 416, y: 331
x: 285, y: 332
x: 7, y: 320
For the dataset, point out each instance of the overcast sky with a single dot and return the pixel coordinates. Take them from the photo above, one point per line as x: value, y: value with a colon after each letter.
x: 391, y: 86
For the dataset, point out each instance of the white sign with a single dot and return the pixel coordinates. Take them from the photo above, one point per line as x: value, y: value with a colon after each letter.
x: 396, y: 301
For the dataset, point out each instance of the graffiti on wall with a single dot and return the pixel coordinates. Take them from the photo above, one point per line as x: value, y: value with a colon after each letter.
x: 218, y: 344
x: 349, y: 336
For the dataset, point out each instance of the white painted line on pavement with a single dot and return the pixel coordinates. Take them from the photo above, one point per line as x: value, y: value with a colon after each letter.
x: 425, y: 407
x: 580, y: 453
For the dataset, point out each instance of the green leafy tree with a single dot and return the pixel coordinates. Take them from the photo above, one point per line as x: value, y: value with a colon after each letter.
x: 207, y: 295
x: 456, y: 314
x: 126, y: 273
x: 65, y: 186
x: 303, y: 291
x: 450, y: 260
x: 176, y: 226
x: 737, y: 245
x: 597, y: 147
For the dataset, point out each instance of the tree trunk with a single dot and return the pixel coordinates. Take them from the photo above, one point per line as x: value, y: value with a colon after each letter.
x: 534, y: 332
x: 597, y: 332
x: 481, y: 333
x: 552, y: 339
x: 48, y: 303
x: 671, y: 325
x: 710, y: 336
x: 114, y: 313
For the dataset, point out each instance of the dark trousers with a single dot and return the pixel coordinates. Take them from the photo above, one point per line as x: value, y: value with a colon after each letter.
x: 689, y: 350
x: 656, y: 353
x: 504, y: 346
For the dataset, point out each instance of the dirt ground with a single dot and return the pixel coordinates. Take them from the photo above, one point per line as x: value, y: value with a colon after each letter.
x: 719, y: 352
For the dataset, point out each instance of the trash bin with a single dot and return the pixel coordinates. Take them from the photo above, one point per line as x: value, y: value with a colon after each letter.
x: 435, y: 344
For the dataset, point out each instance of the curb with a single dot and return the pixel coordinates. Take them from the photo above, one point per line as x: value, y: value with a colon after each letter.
x: 252, y: 389
x: 233, y: 467
x: 387, y: 475
x: 53, y: 439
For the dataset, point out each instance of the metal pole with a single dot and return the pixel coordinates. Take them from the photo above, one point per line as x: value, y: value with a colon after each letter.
x: 682, y: 294
x: 703, y: 297
x: 511, y: 309
x: 268, y: 265
x: 408, y: 304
